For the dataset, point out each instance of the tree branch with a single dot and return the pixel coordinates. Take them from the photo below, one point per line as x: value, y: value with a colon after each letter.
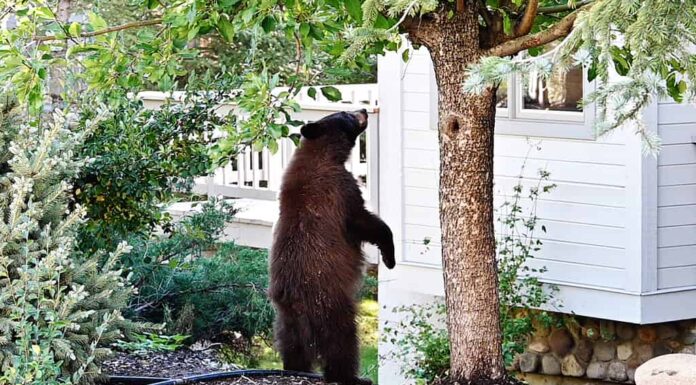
x: 522, y: 43
x: 563, y: 7
x: 131, y: 25
x: 530, y: 13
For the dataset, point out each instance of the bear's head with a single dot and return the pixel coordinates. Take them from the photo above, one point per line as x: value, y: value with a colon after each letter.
x: 337, y: 132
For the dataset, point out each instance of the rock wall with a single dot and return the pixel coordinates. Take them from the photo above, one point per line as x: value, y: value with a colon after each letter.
x: 602, y: 350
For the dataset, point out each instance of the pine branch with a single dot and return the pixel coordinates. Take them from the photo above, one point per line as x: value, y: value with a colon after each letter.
x: 563, y: 7
x: 117, y: 28
x: 522, y: 43
x: 527, y: 22
x: 207, y: 289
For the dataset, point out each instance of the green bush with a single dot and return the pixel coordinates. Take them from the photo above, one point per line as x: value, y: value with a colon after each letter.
x: 57, y: 312
x: 140, y: 159
x: 422, y: 344
x: 200, y: 295
x: 369, y: 288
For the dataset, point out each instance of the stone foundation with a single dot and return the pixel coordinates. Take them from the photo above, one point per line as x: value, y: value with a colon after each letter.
x: 602, y: 350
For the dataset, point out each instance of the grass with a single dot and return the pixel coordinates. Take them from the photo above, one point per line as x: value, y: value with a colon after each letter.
x: 367, y: 329
x: 267, y: 358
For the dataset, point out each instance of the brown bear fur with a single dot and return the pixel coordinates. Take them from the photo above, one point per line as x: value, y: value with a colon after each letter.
x: 316, y: 257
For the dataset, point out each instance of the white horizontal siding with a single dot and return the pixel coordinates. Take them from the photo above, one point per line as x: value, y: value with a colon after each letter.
x: 584, y: 215
x: 677, y: 197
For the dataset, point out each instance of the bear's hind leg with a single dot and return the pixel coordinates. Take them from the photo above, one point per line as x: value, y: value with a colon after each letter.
x: 292, y: 341
x: 339, y: 349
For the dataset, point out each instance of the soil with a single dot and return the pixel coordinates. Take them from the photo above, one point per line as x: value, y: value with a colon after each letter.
x: 270, y: 380
x: 177, y: 364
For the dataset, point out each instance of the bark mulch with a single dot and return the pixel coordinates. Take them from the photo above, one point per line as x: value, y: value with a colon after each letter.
x: 270, y: 380
x: 177, y: 364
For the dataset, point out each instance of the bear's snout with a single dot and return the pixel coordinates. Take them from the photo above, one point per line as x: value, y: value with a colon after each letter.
x: 362, y: 118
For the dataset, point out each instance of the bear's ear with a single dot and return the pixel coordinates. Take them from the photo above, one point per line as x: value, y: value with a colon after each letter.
x: 312, y: 130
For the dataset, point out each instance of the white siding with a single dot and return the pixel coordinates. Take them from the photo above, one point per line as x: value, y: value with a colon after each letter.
x: 677, y: 197
x: 584, y: 216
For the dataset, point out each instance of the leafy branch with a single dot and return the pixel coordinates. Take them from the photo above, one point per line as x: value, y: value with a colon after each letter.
x: 116, y: 28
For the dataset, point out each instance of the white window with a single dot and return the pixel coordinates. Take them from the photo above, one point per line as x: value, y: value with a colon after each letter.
x: 533, y: 106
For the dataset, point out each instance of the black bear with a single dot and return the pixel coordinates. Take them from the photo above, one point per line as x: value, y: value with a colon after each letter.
x: 316, y: 258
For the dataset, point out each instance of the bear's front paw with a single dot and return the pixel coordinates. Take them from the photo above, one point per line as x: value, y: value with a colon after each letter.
x: 388, y: 257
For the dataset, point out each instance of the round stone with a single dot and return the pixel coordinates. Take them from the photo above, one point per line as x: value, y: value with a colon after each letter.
x: 689, y: 337
x: 550, y: 365
x: 647, y: 334
x: 572, y: 367
x: 625, y: 332
x: 529, y: 362
x: 671, y: 369
x: 624, y: 350
x: 688, y: 350
x: 617, y: 371
x: 604, y: 351
x: 583, y: 350
x: 645, y: 352
x: 561, y: 342
x: 597, y: 370
x: 539, y: 345
x: 662, y: 348
x: 666, y: 331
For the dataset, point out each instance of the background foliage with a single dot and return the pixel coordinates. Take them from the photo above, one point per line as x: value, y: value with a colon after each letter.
x: 141, y: 158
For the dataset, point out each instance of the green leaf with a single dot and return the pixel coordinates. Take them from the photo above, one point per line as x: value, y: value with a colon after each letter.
x: 295, y: 138
x: 312, y: 93
x: 97, y: 22
x: 193, y: 32
x: 75, y: 29
x: 332, y: 93
x: 354, y: 9
x: 273, y: 146
x: 268, y: 23
x: 405, y: 55
x: 152, y: 4
x: 44, y: 12
x: 304, y: 29
x: 226, y: 29
x: 507, y: 24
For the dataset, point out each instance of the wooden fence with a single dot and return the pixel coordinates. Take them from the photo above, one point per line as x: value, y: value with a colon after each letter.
x: 258, y: 174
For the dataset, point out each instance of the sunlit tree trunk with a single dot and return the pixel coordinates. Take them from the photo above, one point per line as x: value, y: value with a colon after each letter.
x: 466, y: 126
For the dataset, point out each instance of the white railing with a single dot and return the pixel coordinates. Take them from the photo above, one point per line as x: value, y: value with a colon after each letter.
x: 258, y: 174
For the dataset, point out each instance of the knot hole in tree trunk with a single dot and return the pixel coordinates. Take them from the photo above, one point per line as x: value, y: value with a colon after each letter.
x: 452, y: 125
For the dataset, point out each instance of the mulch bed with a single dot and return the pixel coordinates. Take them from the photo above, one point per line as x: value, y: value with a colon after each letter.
x: 270, y: 380
x: 177, y: 364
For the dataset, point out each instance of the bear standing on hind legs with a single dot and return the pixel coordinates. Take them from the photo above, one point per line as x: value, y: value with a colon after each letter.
x: 316, y: 257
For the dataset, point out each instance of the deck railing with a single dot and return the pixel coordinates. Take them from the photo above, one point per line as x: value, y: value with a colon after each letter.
x: 258, y: 174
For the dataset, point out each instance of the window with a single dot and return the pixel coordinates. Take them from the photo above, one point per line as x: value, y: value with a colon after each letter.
x: 531, y: 105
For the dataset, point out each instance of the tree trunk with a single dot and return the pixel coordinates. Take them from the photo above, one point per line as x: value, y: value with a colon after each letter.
x: 466, y: 126
x: 56, y: 81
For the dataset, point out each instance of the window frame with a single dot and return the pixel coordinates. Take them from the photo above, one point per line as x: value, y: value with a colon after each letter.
x: 515, y: 120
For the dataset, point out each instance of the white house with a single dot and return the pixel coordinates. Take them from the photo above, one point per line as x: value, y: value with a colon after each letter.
x: 621, y: 227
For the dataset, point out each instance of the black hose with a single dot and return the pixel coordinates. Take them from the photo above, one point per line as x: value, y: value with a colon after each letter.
x: 135, y: 380
x: 236, y: 374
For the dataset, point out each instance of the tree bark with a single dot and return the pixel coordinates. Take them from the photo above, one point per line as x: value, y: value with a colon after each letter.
x: 466, y: 127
